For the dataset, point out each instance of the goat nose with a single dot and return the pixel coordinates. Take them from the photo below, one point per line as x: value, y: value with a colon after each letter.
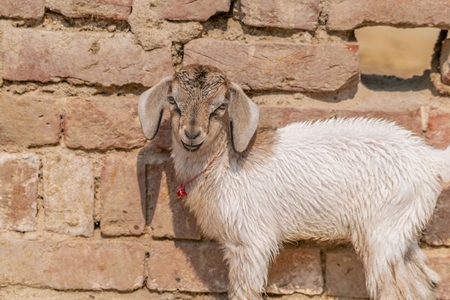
x: 191, y: 135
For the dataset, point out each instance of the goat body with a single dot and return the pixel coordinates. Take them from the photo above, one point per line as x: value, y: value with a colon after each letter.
x: 366, y: 181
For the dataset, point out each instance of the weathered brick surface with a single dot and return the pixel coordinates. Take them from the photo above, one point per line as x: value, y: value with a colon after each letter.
x: 438, y: 131
x: 438, y: 230
x: 103, y: 123
x: 18, y: 191
x: 148, y: 25
x: 186, y: 266
x: 409, y: 119
x: 290, y: 14
x: 296, y: 270
x: 23, y: 9
x: 344, y: 275
x: 72, y: 265
x: 110, y: 9
x: 275, y: 117
x: 279, y: 66
x: 439, y: 261
x: 69, y: 194
x: 46, y: 56
x: 122, y: 195
x: 445, y: 62
x: 187, y: 10
x: 167, y: 215
x: 350, y: 14
x: 21, y: 113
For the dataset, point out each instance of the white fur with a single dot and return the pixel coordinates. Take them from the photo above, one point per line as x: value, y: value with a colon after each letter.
x: 366, y: 181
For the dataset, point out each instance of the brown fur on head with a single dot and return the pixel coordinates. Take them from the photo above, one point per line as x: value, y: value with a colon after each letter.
x: 203, y: 104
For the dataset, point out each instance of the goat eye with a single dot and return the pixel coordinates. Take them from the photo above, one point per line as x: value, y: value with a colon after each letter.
x: 171, y: 101
x: 223, y: 106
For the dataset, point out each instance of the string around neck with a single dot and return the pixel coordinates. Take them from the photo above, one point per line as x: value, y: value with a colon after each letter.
x: 181, y: 192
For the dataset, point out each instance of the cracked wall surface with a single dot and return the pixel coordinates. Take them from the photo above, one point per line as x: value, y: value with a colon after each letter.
x: 88, y: 207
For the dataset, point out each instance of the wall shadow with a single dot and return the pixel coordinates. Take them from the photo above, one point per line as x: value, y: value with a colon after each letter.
x: 169, y: 219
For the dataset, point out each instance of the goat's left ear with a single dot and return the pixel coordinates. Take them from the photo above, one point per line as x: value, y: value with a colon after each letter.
x: 151, y: 107
x: 244, y: 116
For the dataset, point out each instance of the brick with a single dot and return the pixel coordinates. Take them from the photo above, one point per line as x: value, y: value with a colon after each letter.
x: 186, y: 266
x: 296, y: 270
x: 72, y: 265
x: 109, y: 9
x: 279, y: 65
x: 20, y: 113
x: 168, y: 216
x: 18, y: 191
x: 277, y: 116
x: 344, y: 275
x: 445, y: 62
x: 409, y: 119
x: 350, y: 14
x: 439, y: 261
x: 438, y: 230
x: 289, y: 14
x: 22, y: 9
x: 103, y: 123
x: 81, y: 56
x: 153, y: 31
x: 122, y: 195
x: 69, y: 194
x: 187, y: 10
x: 438, y: 131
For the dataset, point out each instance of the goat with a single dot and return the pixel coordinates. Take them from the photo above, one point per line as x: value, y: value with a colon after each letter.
x: 367, y: 181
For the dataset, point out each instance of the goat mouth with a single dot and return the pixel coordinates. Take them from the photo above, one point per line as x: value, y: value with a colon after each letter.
x: 191, y: 148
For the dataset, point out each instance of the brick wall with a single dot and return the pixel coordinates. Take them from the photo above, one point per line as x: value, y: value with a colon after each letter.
x: 87, y: 207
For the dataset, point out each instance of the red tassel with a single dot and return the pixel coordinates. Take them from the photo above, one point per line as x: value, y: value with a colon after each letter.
x: 180, y: 191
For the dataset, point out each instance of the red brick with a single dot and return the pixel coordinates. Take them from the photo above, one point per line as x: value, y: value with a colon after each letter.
x: 438, y: 230
x: 48, y: 56
x: 186, y: 266
x: 109, y: 9
x: 277, y: 116
x: 438, y: 131
x: 296, y: 270
x: 439, y: 261
x: 22, y: 9
x: 168, y: 216
x: 187, y: 10
x: 103, y: 123
x: 290, y: 14
x: 122, y: 195
x: 20, y: 113
x: 409, y: 119
x: 279, y: 66
x: 68, y: 194
x: 73, y: 265
x: 18, y: 191
x: 344, y: 275
x: 350, y: 14
x: 445, y: 62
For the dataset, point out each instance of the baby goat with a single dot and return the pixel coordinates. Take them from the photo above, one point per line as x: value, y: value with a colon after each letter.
x: 366, y: 181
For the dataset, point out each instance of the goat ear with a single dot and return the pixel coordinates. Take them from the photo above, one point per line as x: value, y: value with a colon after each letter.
x: 244, y: 116
x: 151, y: 107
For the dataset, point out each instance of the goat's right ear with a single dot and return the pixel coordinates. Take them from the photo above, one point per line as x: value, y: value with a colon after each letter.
x: 151, y: 107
